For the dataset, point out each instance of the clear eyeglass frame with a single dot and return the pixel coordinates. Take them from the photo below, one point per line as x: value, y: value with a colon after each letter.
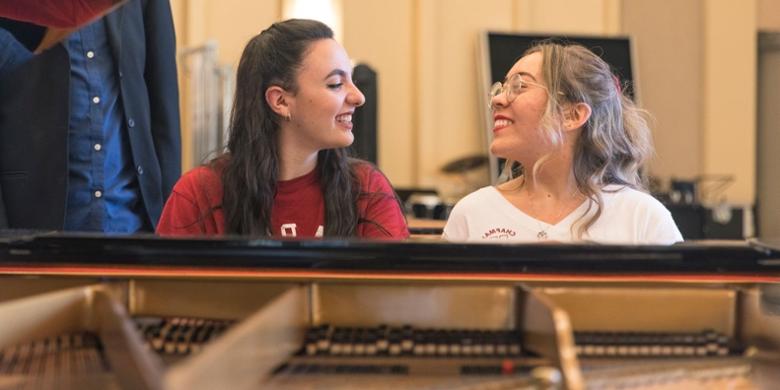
x: 511, y: 88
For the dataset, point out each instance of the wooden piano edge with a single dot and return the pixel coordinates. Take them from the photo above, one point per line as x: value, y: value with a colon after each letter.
x: 297, y: 274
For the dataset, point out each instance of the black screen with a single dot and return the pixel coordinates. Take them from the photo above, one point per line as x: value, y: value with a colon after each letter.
x: 506, y: 49
x: 365, y: 117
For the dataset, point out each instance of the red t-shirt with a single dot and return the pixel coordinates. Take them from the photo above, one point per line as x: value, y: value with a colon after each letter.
x: 194, y: 207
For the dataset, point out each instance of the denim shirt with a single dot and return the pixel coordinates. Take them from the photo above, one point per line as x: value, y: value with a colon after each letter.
x: 12, y: 52
x: 103, y: 190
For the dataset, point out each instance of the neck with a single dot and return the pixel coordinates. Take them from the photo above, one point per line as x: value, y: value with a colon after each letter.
x: 295, y: 160
x: 560, y: 187
x: 296, y: 167
x: 554, y: 180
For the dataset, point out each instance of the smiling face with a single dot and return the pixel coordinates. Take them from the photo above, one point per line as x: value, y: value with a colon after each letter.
x: 517, y: 132
x: 321, y: 109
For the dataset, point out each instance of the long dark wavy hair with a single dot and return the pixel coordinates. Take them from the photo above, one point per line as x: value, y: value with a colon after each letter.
x: 251, y: 162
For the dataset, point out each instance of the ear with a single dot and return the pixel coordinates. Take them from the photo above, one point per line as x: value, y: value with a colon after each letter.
x: 576, y: 115
x: 278, y: 99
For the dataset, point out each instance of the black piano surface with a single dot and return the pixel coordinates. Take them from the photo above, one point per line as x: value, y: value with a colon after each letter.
x: 712, y: 257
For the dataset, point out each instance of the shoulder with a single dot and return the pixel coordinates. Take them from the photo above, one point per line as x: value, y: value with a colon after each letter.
x: 200, y: 175
x: 370, y: 177
x: 627, y: 198
x: 377, y: 204
x: 363, y: 168
x: 477, y: 204
x: 199, y: 182
x: 477, y: 198
x: 651, y: 221
x: 475, y: 215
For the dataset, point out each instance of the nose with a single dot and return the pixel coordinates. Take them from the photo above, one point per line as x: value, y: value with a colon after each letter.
x: 498, y: 101
x: 355, y: 97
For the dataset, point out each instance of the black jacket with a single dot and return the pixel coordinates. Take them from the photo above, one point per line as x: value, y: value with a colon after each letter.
x: 34, y: 116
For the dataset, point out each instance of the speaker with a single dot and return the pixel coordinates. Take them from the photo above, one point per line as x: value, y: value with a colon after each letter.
x: 725, y: 221
x: 714, y: 222
x: 364, y: 120
x: 689, y: 218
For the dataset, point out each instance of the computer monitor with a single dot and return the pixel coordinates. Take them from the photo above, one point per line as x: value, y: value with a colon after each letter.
x: 498, y: 51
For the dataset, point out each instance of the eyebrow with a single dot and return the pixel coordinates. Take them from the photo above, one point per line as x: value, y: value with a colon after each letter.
x: 336, y: 72
x: 521, y: 74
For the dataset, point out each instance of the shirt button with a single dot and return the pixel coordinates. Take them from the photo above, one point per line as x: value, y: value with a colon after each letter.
x: 140, y: 170
x: 131, y: 123
x: 90, y: 54
x: 98, y: 194
x: 98, y: 147
x: 96, y: 99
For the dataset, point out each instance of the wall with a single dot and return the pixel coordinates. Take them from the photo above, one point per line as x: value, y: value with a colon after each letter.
x: 231, y: 23
x: 567, y: 17
x: 730, y: 51
x: 768, y: 137
x: 768, y: 15
x: 768, y: 181
x: 448, y: 123
x: 385, y: 42
x: 669, y: 77
x: 697, y: 73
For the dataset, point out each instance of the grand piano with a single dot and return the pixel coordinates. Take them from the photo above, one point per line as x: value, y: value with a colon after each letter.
x: 82, y: 311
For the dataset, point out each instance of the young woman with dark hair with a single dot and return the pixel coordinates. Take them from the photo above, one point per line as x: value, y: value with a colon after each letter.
x: 286, y: 172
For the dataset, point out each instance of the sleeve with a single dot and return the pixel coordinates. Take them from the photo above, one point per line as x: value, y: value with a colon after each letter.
x: 161, y: 81
x: 56, y: 13
x: 181, y: 215
x: 456, y: 228
x: 12, y: 52
x: 382, y: 217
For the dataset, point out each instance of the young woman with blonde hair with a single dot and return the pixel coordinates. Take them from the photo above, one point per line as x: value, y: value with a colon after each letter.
x: 575, y: 148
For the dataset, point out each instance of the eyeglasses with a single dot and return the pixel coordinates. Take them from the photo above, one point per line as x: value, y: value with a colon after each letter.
x: 511, y: 87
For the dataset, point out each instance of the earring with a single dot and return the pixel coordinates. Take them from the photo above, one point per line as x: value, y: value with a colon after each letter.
x: 288, y: 117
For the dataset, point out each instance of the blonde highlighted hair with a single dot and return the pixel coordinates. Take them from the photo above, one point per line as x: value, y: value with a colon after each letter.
x: 614, y: 144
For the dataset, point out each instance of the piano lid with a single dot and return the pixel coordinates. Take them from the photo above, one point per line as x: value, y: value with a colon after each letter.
x: 377, y: 256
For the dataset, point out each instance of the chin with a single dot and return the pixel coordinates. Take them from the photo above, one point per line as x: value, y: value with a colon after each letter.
x: 348, y: 141
x: 497, y: 150
x: 342, y: 143
x: 349, y: 138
